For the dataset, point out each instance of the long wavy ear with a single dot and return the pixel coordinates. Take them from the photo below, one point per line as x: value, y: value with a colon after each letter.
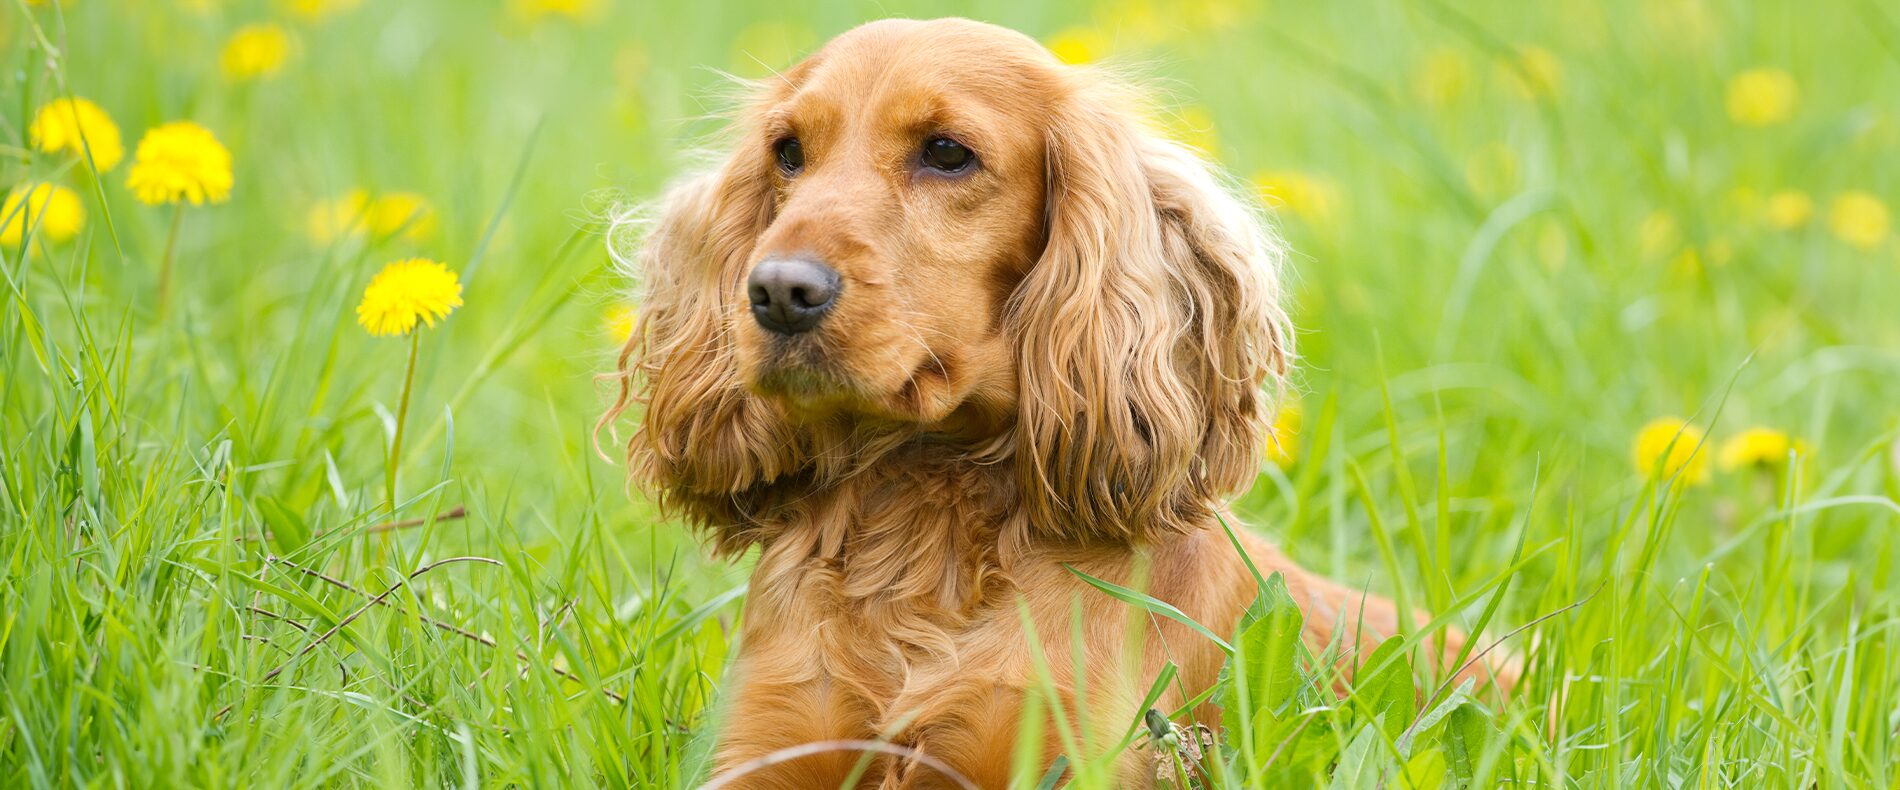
x: 705, y: 445
x: 1150, y: 332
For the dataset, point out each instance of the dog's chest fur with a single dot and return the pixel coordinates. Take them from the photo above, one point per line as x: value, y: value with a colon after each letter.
x: 876, y: 582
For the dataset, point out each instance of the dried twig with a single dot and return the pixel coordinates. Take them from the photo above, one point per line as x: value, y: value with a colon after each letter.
x: 380, y: 599
x: 451, y: 514
x: 449, y: 627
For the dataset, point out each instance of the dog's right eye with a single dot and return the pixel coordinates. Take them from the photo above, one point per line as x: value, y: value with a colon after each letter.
x: 791, y: 156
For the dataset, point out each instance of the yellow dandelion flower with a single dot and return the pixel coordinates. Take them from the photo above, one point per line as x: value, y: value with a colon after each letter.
x: 52, y: 211
x: 1762, y: 97
x: 578, y: 10
x: 1658, y: 234
x: 180, y: 161
x: 1788, y: 209
x: 338, y: 217
x: 404, y: 212
x: 73, y: 125
x: 1720, y: 251
x: 317, y: 10
x: 1078, y: 45
x: 1758, y: 447
x: 1668, y: 446
x: 1312, y: 198
x: 1492, y: 170
x: 1537, y: 72
x: 1686, y: 24
x: 255, y: 52
x: 1443, y: 77
x: 1283, y: 441
x: 405, y: 292
x: 621, y: 321
x: 1859, y: 219
x: 1553, y: 245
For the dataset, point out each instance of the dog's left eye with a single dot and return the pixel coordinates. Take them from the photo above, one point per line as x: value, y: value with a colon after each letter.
x: 947, y: 155
x: 790, y: 154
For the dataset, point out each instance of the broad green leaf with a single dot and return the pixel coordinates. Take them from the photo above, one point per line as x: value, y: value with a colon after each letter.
x: 1384, y: 689
x: 1468, y: 731
x: 1263, y: 674
x: 1361, y: 765
x: 1425, y: 770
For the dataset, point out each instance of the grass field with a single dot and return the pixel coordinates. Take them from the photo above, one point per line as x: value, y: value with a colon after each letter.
x: 1527, y: 234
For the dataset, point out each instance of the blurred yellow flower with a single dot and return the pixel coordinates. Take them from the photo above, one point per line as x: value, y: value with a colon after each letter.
x: 1553, y: 245
x: 1685, y: 24
x: 1283, y: 440
x: 405, y: 212
x: 180, y: 161
x: 405, y: 292
x: 578, y: 10
x: 1492, y: 170
x: 1668, y: 446
x: 1762, y: 97
x: 333, y: 219
x: 1859, y: 219
x: 1788, y: 209
x: 255, y: 51
x: 1658, y: 235
x: 1537, y: 72
x: 1758, y: 447
x: 1443, y: 77
x: 1719, y: 251
x: 316, y: 10
x: 621, y: 321
x: 1312, y: 198
x: 60, y: 124
x: 1078, y: 45
x: 54, y: 212
x: 355, y: 213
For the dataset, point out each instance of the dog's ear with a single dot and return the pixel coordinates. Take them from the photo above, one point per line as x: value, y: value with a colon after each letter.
x: 1150, y: 334
x: 704, y: 445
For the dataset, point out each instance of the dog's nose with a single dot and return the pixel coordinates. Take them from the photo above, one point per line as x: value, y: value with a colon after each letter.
x: 790, y: 295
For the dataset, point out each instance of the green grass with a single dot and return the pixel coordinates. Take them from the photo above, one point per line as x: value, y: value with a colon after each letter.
x: 1496, y: 289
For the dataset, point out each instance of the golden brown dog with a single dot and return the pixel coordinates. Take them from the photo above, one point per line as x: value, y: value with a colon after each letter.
x: 947, y: 319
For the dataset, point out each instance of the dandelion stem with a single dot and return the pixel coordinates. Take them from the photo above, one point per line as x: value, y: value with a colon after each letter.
x: 402, y: 418
x: 165, y: 267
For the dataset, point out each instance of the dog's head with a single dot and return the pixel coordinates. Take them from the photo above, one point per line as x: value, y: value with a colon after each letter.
x: 934, y: 230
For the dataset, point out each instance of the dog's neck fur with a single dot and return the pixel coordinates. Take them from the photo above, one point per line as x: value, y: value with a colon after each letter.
x: 922, y: 525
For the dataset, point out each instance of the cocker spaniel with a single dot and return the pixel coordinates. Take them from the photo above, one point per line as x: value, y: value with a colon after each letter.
x: 947, y: 321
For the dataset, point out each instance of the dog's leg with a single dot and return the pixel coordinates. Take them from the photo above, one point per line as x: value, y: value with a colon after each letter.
x: 1357, y: 621
x: 765, y: 717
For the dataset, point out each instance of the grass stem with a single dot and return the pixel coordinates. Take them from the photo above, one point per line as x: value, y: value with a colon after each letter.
x: 402, y: 418
x: 165, y: 265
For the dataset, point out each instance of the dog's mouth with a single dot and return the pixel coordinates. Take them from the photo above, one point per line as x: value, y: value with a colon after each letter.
x: 810, y: 379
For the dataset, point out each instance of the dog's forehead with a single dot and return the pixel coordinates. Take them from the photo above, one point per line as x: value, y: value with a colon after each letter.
x: 920, y: 72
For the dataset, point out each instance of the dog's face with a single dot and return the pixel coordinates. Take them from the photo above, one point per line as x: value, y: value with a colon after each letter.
x: 906, y: 167
x: 933, y: 230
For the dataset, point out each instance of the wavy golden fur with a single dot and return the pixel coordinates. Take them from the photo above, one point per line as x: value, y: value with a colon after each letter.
x: 1062, y: 354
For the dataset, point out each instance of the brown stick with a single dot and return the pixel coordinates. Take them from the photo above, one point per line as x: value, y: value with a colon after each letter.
x: 451, y: 514
x: 449, y: 627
